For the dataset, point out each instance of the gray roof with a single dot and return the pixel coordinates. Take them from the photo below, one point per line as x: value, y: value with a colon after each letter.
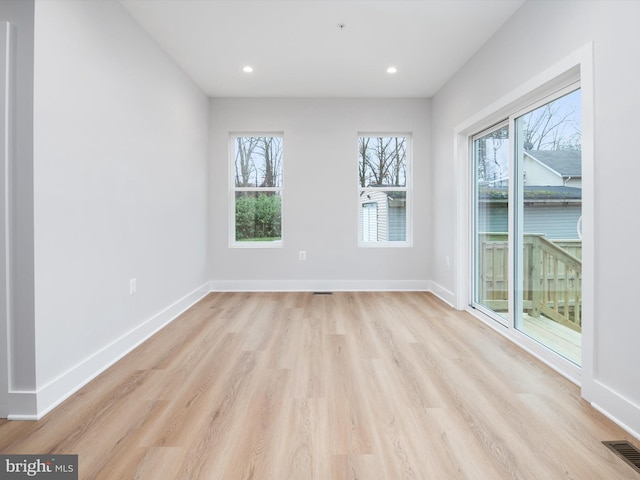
x: 567, y: 163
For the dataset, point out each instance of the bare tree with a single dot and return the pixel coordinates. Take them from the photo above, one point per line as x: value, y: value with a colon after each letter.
x: 270, y: 148
x: 363, y: 146
x: 382, y: 161
x: 488, y: 147
x: 399, y: 164
x: 551, y: 127
x: 258, y: 161
x: 245, y: 166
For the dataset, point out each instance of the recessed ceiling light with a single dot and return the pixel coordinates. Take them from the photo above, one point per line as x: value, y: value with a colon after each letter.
x: 247, y: 69
x: 392, y: 70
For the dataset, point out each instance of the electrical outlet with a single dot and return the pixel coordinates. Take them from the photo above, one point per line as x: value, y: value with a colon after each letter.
x: 302, y: 255
x: 132, y: 286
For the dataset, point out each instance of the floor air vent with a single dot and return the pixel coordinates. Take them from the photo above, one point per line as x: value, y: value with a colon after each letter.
x: 626, y: 451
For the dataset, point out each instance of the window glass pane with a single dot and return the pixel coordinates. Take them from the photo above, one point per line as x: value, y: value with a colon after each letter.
x: 258, y: 161
x: 491, y: 165
x: 549, y: 196
x: 383, y: 215
x: 383, y: 161
x: 258, y: 216
x: 370, y: 222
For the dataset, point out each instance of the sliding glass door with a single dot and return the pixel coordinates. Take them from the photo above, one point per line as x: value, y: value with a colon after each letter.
x: 548, y: 196
x: 527, y: 244
x: 491, y: 207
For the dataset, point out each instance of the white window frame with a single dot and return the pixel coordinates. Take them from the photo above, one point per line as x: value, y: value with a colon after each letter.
x: 408, y: 189
x: 233, y: 243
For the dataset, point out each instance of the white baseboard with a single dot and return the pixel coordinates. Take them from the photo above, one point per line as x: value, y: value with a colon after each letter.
x: 34, y: 405
x: 23, y: 405
x: 614, y: 406
x: 318, y: 285
x: 443, y: 294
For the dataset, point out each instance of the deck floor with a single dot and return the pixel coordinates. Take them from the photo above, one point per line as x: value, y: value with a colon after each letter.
x: 558, y: 338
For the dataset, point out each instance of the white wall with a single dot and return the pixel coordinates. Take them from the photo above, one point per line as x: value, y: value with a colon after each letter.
x: 540, y: 34
x: 120, y: 160
x: 320, y: 211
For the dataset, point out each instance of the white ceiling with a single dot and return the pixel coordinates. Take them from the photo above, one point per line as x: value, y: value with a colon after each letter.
x: 298, y: 50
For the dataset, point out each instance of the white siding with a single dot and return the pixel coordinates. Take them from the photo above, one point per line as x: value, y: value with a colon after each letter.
x: 369, y: 222
x: 538, y: 174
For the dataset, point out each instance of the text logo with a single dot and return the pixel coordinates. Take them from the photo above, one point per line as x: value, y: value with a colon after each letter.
x: 52, y: 467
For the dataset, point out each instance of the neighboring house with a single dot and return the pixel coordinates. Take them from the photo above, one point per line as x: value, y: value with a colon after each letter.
x: 552, y: 196
x: 553, y: 167
x: 384, y: 216
x: 550, y: 210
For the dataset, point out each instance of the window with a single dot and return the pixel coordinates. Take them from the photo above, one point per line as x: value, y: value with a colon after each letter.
x: 256, y: 193
x: 384, y: 178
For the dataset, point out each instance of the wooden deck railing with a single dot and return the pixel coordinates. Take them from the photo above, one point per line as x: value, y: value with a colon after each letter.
x: 552, y: 277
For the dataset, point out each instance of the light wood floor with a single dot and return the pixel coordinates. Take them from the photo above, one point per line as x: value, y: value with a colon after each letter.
x: 345, y: 386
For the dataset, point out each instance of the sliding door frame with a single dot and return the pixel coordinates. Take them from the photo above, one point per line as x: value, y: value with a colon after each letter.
x: 576, y: 66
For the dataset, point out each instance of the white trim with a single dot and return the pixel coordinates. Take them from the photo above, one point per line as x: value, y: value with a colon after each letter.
x: 588, y: 237
x: 385, y: 244
x: 271, y: 244
x: 319, y: 285
x: 617, y: 407
x: 463, y: 266
x: 7, y: 33
x: 56, y: 391
x: 444, y: 294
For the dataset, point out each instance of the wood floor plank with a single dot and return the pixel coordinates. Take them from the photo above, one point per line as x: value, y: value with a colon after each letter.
x: 253, y: 455
x: 384, y: 385
x: 450, y: 449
